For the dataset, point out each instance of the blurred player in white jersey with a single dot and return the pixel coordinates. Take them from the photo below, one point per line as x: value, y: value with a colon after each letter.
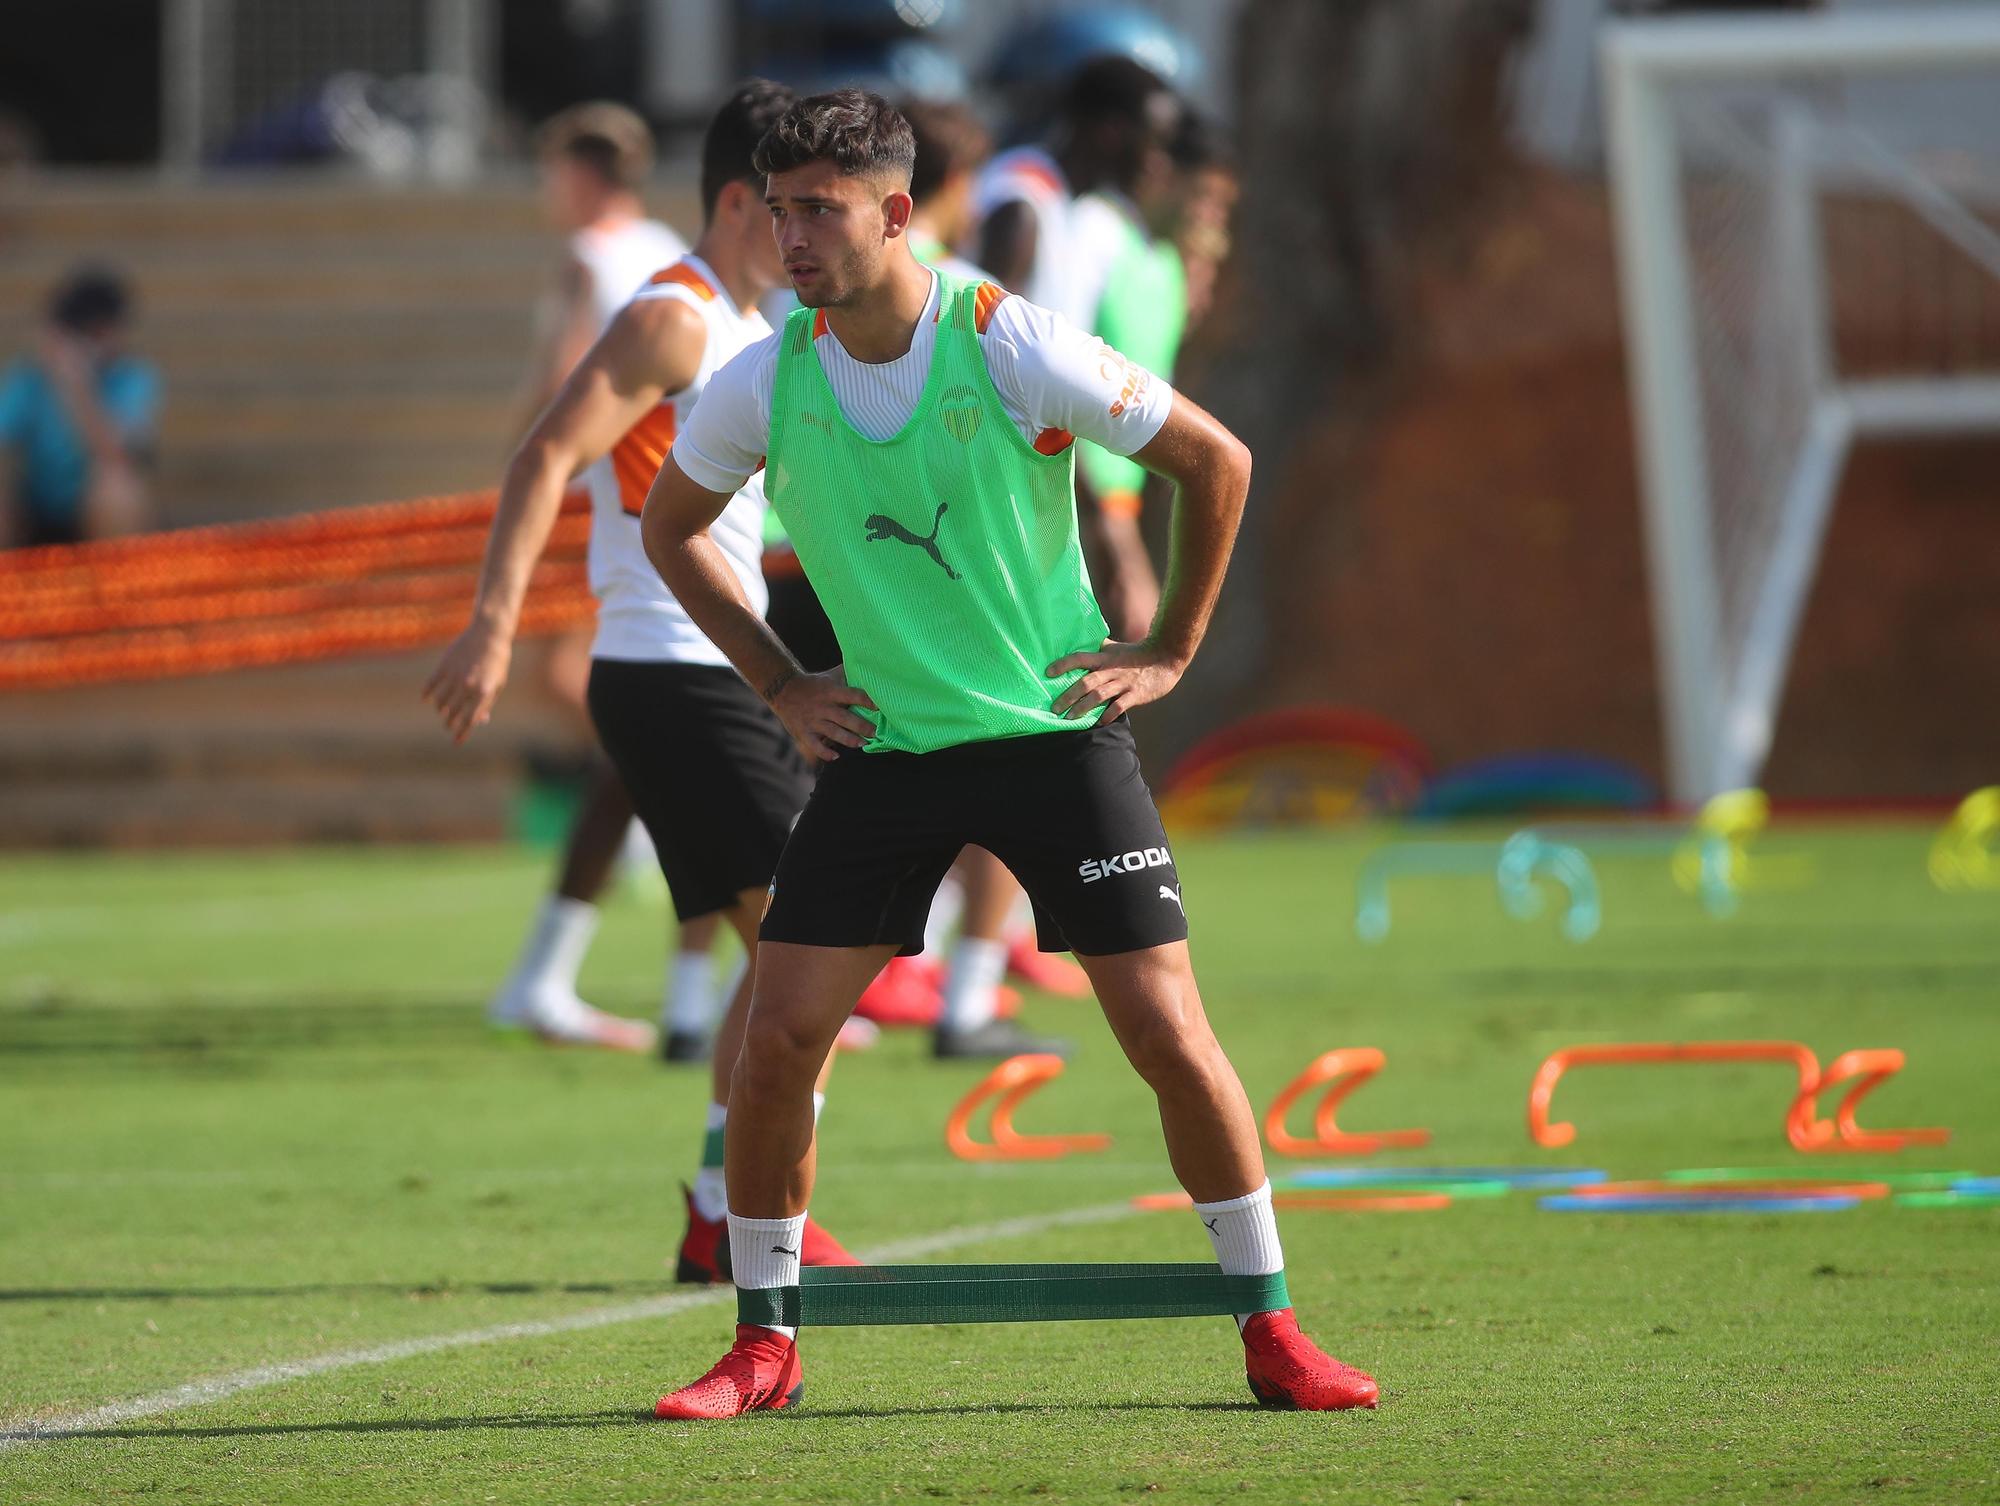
x: 594, y: 158
x: 712, y: 772
x: 1055, y: 223
x: 1111, y: 132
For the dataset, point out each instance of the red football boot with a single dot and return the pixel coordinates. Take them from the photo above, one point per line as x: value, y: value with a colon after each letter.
x: 704, y: 1258
x: 1047, y: 971
x: 902, y: 994
x: 761, y: 1373
x: 820, y: 1248
x: 1289, y: 1371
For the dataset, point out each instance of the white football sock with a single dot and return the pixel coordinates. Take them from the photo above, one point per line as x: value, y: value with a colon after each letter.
x: 972, y: 987
x: 732, y: 979
x: 1244, y: 1233
x: 764, y: 1252
x: 636, y: 853
x: 946, y: 907
x: 819, y: 1103
x: 711, y: 1191
x: 554, y: 953
x: 689, y: 1008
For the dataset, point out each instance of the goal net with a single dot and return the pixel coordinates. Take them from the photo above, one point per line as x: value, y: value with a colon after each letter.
x: 1808, y: 218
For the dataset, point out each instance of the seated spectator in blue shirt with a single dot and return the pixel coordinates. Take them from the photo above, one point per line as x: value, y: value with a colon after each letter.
x: 77, y: 419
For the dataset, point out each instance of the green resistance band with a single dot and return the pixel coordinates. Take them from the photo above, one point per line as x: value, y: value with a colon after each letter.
x: 1911, y: 1181
x: 849, y: 1296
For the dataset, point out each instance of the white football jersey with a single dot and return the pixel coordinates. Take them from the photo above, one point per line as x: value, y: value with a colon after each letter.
x: 1029, y: 175
x: 638, y: 617
x: 620, y: 257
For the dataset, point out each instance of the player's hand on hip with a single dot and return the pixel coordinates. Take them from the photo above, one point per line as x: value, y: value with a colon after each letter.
x: 1117, y: 677
x: 468, y: 679
x: 820, y: 712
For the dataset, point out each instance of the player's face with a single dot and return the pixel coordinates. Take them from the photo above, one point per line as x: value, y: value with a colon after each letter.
x: 832, y: 230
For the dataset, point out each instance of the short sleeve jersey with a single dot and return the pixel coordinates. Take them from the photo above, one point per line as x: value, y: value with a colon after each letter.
x: 1055, y: 381
x: 620, y: 257
x: 1029, y: 176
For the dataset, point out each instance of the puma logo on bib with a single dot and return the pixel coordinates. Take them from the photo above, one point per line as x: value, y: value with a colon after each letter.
x: 881, y: 527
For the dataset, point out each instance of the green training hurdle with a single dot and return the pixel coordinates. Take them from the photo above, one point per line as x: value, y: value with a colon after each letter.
x: 863, y: 1295
x: 1714, y: 883
x: 1515, y: 866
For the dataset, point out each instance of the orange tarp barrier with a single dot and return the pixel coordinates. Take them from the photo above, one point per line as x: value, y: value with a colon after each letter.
x: 360, y: 580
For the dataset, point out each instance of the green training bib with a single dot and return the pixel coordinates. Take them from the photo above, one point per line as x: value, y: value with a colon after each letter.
x: 946, y: 556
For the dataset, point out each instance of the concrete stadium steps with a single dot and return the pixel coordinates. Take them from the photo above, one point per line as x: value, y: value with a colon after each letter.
x: 324, y: 342
x: 232, y: 478
x: 334, y: 751
x: 212, y: 342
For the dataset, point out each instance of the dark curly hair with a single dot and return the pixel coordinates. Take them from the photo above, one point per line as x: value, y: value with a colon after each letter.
x: 861, y: 133
x: 732, y: 136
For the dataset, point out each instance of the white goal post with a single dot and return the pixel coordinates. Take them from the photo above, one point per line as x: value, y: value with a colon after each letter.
x: 1808, y: 223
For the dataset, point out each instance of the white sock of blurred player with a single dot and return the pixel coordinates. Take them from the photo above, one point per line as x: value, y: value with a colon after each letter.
x: 694, y: 996
x: 540, y: 993
x: 972, y: 983
x: 946, y: 907
x: 546, y: 970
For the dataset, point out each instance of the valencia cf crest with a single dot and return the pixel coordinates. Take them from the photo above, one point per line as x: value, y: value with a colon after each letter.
x: 961, y: 412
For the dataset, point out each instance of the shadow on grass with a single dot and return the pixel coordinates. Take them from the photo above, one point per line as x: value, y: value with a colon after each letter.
x: 565, y: 1421
x: 982, y: 1409
x: 337, y: 1288
x: 562, y: 1420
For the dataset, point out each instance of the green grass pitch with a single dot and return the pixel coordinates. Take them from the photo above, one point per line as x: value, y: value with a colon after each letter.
x: 250, y: 1117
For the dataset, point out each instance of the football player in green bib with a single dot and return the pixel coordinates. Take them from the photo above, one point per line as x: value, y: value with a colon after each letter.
x: 916, y: 431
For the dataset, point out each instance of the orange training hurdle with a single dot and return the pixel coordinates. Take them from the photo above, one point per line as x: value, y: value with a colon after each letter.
x: 1007, y: 1084
x: 1868, y: 1069
x: 1800, y: 1123
x: 1344, y: 1070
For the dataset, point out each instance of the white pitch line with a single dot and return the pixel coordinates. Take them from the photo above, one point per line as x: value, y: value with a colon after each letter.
x: 218, y: 1387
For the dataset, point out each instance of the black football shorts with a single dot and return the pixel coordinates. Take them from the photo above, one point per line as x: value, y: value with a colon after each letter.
x: 711, y: 770
x: 1068, y: 812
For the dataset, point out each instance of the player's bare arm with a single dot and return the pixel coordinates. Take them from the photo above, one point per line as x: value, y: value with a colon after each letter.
x: 654, y: 347
x: 565, y: 325
x: 1210, y: 468
x: 1127, y: 588
x: 818, y: 710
